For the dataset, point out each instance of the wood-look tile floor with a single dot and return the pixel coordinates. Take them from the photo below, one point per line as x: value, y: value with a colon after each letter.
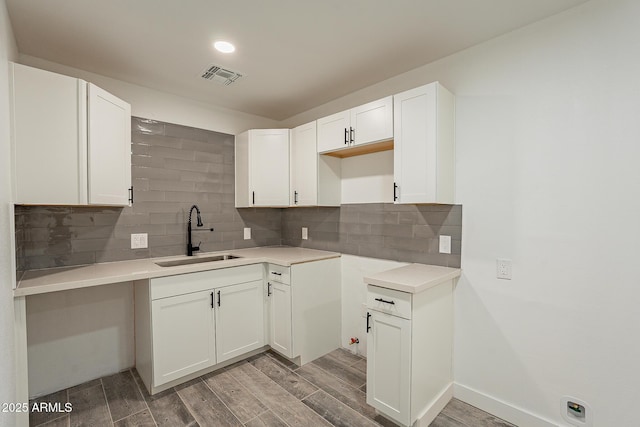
x: 265, y: 390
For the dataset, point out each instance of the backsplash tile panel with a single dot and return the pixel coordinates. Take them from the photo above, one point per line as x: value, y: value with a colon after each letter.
x: 408, y: 233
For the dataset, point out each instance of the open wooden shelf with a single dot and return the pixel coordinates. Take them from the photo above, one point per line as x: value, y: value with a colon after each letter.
x: 358, y: 150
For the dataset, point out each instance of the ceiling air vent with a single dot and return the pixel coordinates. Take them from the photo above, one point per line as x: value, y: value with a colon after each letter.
x: 220, y: 75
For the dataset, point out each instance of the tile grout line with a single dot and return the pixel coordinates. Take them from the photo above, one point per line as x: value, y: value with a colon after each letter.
x: 221, y: 400
x: 142, y: 394
x: 258, y: 398
x: 104, y: 393
x: 349, y: 408
x: 338, y: 378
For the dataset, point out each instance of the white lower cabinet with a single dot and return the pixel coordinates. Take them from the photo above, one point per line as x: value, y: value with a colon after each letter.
x: 188, y: 323
x: 280, y: 318
x: 389, y: 365
x: 409, y: 352
x: 183, y: 336
x: 304, y: 309
x: 239, y: 319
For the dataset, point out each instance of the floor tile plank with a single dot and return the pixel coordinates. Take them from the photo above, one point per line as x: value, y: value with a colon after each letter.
x: 444, y: 421
x: 361, y: 366
x: 206, y: 407
x: 286, y: 362
x: 345, y: 356
x: 170, y: 411
x: 243, y: 404
x: 141, y: 419
x: 336, y: 412
x: 58, y: 399
x: 268, y: 419
x: 60, y: 422
x: 89, y: 408
x: 350, y: 396
x: 284, y: 405
x: 346, y: 373
x: 285, y: 378
x: 123, y: 395
x: 472, y: 416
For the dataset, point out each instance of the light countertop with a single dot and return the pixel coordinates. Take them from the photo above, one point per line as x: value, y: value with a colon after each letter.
x: 413, y: 278
x: 65, y: 278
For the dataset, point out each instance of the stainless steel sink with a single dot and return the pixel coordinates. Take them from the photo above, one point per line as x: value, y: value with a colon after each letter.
x: 196, y: 260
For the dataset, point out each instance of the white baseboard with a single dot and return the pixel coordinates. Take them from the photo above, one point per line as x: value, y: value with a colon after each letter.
x: 500, y: 408
x: 435, y: 407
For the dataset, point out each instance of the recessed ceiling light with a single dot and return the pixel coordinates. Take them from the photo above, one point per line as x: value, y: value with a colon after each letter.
x: 224, y: 47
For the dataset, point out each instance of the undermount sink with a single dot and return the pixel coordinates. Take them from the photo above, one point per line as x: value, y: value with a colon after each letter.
x: 196, y: 260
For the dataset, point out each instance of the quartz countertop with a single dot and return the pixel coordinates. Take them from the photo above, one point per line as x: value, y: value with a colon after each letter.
x: 413, y: 278
x: 65, y: 278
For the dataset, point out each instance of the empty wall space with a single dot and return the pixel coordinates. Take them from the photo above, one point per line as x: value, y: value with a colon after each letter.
x: 78, y: 335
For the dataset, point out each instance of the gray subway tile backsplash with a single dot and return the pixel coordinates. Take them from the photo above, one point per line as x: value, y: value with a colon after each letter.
x: 174, y: 167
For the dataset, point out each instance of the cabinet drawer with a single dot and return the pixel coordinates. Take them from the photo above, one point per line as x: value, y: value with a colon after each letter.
x: 180, y: 284
x: 389, y: 301
x: 278, y: 273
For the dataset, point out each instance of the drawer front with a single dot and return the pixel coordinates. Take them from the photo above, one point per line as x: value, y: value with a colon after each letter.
x: 389, y: 301
x: 181, y: 284
x: 278, y: 273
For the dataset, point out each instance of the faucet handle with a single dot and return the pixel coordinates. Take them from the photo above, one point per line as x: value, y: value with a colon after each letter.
x: 196, y: 248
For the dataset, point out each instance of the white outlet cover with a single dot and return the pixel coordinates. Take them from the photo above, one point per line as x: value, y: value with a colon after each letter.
x: 445, y: 244
x: 139, y: 241
x: 305, y: 233
x: 247, y: 233
x: 503, y: 269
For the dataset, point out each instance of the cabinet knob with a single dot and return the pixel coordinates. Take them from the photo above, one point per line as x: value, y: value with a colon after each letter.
x: 346, y: 136
x: 368, y: 316
x: 385, y: 301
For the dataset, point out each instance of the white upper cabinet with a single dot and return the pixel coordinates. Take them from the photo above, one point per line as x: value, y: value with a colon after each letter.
x: 262, y: 168
x: 71, y: 141
x: 424, y: 151
x: 372, y: 122
x: 109, y: 148
x: 304, y: 166
x: 333, y: 131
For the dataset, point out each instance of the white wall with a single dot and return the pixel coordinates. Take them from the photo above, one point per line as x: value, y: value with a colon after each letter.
x: 547, y: 171
x: 8, y: 52
x: 367, y: 178
x: 162, y: 106
x: 76, y: 336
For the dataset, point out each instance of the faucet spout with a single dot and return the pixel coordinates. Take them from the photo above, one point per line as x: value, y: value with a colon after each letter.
x: 190, y: 248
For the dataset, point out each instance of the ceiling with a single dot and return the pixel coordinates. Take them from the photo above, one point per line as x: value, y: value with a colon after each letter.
x: 294, y: 54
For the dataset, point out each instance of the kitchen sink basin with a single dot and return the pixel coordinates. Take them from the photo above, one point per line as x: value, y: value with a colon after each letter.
x: 196, y: 260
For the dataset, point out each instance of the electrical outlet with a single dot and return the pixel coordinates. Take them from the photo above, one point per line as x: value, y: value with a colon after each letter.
x: 445, y: 244
x: 305, y: 233
x: 139, y: 241
x: 503, y: 269
x: 247, y: 233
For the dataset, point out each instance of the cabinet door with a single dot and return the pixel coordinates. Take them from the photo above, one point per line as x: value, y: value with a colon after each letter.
x: 373, y: 121
x: 333, y: 131
x: 304, y: 166
x: 389, y: 365
x: 280, y: 318
x: 424, y: 145
x: 183, y: 336
x: 109, y: 148
x: 239, y: 319
x: 269, y: 167
x: 48, y: 138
